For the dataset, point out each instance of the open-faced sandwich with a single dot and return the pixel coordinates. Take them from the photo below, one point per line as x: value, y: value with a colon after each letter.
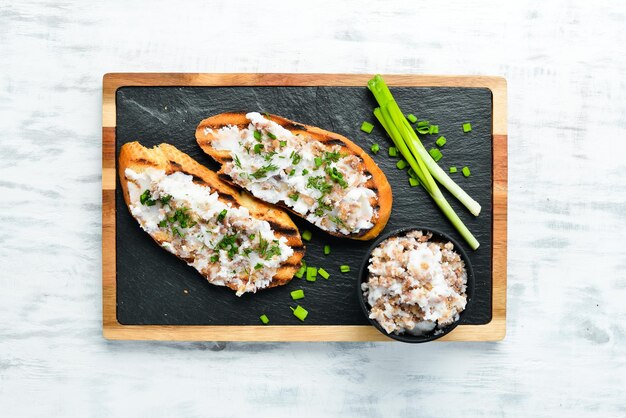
x: 230, y: 237
x: 319, y: 175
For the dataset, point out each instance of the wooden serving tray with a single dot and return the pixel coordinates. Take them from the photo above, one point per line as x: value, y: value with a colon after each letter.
x: 125, y: 311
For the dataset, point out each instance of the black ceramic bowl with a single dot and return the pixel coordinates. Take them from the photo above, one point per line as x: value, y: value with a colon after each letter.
x: 438, y: 236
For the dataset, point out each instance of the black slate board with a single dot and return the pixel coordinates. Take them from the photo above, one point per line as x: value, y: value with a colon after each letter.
x: 156, y: 288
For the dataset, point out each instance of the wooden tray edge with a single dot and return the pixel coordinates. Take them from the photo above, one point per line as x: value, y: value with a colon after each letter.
x: 494, y: 331
x: 112, y: 329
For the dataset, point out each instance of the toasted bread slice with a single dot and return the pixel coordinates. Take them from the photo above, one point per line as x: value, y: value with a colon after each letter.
x: 207, y: 136
x: 170, y: 160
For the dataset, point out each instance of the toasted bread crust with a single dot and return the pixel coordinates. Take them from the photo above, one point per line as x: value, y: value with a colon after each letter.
x: 166, y: 157
x: 378, y: 182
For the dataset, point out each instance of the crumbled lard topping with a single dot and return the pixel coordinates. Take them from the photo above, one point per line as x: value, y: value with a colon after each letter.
x: 316, y: 180
x: 223, y: 242
x: 415, y: 285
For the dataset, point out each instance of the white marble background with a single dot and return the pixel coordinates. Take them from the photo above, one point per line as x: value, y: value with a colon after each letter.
x: 564, y: 354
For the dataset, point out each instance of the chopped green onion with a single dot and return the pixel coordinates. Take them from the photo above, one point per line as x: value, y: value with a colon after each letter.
x: 453, y: 169
x: 466, y: 171
x: 423, y: 123
x: 307, y: 235
x: 401, y: 165
x: 145, y: 198
x: 467, y: 127
x: 337, y: 176
x: 215, y: 258
x: 375, y: 148
x: 344, y: 268
x: 433, y: 129
x: 297, y: 294
x: 163, y: 223
x: 393, y: 151
x: 271, y: 135
x: 319, y: 183
x: 424, y: 130
x: 264, y: 319
x: 282, y: 143
x: 436, y: 154
x: 318, y: 161
x: 326, y: 249
x: 258, y: 148
x: 411, y: 173
x: 305, y: 172
x: 257, y: 135
x: 300, y: 273
x: 367, y: 127
x: 311, y: 274
x: 413, y: 182
x: 300, y: 312
x: 441, y: 141
x: 165, y: 199
x: 323, y: 273
x: 222, y: 215
x: 262, y: 172
x: 411, y: 117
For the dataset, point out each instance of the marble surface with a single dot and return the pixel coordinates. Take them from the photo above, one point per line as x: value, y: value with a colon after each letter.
x: 564, y: 354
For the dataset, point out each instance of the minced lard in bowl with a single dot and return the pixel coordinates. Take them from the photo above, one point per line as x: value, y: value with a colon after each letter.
x: 415, y: 285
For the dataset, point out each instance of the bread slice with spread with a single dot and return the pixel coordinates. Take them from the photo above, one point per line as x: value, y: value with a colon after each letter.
x: 230, y: 237
x: 319, y: 175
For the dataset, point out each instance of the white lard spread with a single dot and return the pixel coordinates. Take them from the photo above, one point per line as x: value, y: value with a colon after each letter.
x: 316, y: 180
x: 222, y: 242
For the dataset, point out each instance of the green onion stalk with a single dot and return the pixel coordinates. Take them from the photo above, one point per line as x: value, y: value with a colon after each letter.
x: 405, y: 139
